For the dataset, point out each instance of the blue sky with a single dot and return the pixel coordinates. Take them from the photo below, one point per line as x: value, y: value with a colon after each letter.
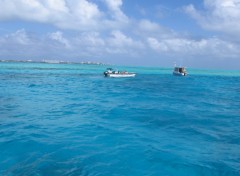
x: 194, y: 33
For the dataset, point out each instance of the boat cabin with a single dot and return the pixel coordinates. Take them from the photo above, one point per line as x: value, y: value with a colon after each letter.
x: 180, y: 71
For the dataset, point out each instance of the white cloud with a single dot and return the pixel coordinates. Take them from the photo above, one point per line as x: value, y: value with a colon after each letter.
x: 91, y: 39
x: 153, y: 29
x: 149, y: 26
x: 156, y: 45
x: 120, y: 40
x: 19, y: 37
x: 115, y: 9
x: 23, y: 9
x: 213, y: 47
x: 115, y: 45
x: 89, y: 44
x: 58, y: 36
x: 219, y: 15
x: 114, y: 4
x: 82, y: 13
x: 19, y: 44
x: 79, y: 15
x: 57, y: 5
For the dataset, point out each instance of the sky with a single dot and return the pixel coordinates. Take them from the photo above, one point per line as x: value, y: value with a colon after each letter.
x: 192, y: 33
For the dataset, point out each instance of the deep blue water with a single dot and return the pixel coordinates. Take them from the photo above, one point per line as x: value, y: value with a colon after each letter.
x: 70, y: 120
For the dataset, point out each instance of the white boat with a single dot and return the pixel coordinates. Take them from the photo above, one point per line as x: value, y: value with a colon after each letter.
x: 180, y: 71
x: 121, y: 75
x: 118, y: 74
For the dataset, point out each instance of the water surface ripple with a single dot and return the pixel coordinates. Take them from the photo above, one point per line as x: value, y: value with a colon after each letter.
x: 70, y: 120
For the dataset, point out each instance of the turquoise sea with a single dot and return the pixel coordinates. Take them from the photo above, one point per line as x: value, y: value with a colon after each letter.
x: 68, y: 120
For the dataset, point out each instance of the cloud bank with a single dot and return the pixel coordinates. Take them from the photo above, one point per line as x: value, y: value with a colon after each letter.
x: 218, y: 15
x: 103, y: 32
x: 66, y: 14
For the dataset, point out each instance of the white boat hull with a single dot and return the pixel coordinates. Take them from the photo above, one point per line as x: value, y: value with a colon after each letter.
x: 179, y: 74
x: 127, y: 75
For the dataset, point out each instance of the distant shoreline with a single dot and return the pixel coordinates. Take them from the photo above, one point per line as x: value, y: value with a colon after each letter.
x: 56, y: 62
x: 46, y: 61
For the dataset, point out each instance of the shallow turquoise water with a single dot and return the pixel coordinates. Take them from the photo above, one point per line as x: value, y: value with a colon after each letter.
x: 58, y: 119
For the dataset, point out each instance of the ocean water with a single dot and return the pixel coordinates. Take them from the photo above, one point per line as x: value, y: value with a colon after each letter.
x: 67, y: 119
